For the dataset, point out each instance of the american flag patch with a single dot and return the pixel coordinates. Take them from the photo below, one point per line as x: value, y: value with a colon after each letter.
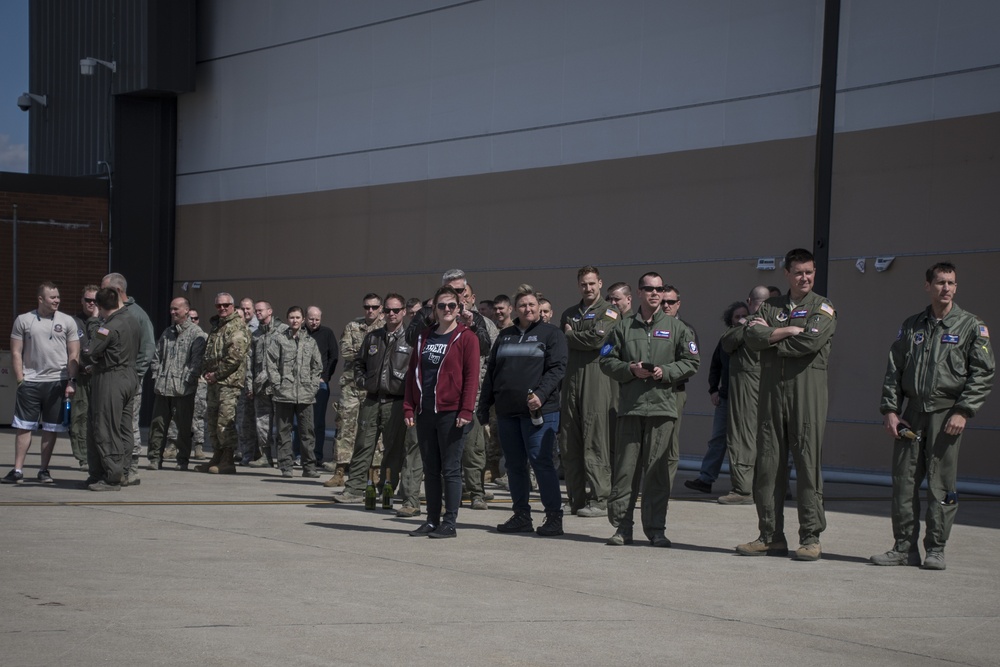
x: 102, y: 331
x: 983, y: 331
x: 613, y: 314
x: 828, y: 309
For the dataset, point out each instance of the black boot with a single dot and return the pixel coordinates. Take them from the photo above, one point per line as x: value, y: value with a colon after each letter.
x: 552, y: 525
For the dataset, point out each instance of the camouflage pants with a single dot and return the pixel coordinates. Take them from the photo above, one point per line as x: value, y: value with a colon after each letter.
x: 347, y: 422
x: 197, y: 422
x: 493, y: 451
x: 474, y: 460
x: 246, y: 429
x: 264, y: 423
x: 220, y: 415
x: 412, y: 475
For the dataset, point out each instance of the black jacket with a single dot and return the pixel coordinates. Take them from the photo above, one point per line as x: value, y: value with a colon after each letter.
x: 381, y: 364
x: 520, y: 363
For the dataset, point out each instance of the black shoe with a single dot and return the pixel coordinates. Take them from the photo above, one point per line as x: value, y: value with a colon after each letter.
x: 444, y: 530
x: 552, y: 526
x: 13, y: 477
x: 425, y: 529
x: 698, y: 485
x: 44, y: 477
x: 519, y: 523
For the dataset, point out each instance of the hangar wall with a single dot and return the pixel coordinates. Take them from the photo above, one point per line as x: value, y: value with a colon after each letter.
x: 335, y: 149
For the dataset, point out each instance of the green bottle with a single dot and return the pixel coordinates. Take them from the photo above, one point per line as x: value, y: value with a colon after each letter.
x: 370, y: 494
x: 387, y: 491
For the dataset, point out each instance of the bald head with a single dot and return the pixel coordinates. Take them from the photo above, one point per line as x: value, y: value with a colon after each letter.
x: 758, y: 295
x: 314, y: 317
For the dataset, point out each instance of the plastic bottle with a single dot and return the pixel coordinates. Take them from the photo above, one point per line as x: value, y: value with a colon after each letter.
x: 66, y: 410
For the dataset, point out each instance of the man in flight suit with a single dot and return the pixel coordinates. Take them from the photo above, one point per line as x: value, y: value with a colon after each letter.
x: 588, y: 399
x: 794, y: 334
x: 942, y: 365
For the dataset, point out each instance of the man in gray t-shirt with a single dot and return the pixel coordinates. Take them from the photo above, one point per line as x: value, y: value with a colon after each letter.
x: 45, y: 352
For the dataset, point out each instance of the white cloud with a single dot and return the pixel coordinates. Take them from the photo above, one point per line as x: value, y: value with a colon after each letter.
x: 13, y: 157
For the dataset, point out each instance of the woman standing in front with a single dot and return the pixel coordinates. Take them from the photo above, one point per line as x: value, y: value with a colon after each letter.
x: 523, y: 378
x: 440, y: 395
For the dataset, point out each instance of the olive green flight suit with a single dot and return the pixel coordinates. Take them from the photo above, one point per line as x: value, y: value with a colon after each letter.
x: 645, y: 450
x: 792, y: 412
x: 589, y: 398
x: 113, y: 352
x: 744, y: 392
x: 940, y: 367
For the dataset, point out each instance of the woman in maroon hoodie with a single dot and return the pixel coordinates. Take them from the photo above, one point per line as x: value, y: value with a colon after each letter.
x: 440, y: 397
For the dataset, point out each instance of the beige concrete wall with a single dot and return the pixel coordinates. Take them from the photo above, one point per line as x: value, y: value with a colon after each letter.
x: 922, y: 192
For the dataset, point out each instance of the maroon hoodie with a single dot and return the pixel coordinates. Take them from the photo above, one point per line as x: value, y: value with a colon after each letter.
x: 458, y: 376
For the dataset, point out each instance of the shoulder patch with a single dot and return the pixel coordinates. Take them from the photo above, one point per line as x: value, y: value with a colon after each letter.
x: 828, y: 309
x: 613, y: 314
x: 103, y: 331
x: 606, y: 350
x: 983, y: 331
x: 693, y: 346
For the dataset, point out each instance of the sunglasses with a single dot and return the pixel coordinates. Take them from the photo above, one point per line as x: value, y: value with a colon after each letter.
x: 223, y: 305
x: 194, y: 318
x: 451, y: 305
x: 372, y: 307
x: 671, y: 302
x: 651, y: 288
x: 394, y: 311
x: 86, y: 300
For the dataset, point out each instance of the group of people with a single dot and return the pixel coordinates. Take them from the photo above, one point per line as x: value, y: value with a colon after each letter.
x: 443, y: 391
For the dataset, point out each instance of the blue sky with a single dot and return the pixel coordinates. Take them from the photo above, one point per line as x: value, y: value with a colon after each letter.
x: 13, y: 82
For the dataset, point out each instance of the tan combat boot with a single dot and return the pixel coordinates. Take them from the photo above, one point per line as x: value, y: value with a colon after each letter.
x: 207, y: 467
x: 338, y: 477
x: 199, y: 453
x: 226, y: 465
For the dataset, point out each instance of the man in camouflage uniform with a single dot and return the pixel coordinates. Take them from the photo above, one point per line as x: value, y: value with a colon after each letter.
x: 246, y: 417
x: 942, y: 367
x: 350, y: 396
x: 197, y: 419
x: 224, y: 370
x: 588, y: 399
x: 294, y: 369
x: 175, y: 369
x: 258, y: 384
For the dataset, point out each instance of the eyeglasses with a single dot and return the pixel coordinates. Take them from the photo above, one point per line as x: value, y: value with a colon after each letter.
x: 367, y: 307
x: 86, y: 300
x: 450, y: 305
x: 224, y: 305
x: 653, y: 288
x: 671, y: 302
x: 393, y: 310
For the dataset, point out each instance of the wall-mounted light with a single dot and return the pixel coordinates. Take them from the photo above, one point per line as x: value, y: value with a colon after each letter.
x: 765, y: 264
x: 27, y: 100
x: 87, y: 65
x: 860, y: 264
x: 883, y: 263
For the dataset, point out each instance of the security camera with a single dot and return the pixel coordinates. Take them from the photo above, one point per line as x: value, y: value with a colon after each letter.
x: 27, y: 100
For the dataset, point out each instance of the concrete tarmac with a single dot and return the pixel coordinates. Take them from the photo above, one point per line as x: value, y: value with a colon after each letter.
x: 253, y: 569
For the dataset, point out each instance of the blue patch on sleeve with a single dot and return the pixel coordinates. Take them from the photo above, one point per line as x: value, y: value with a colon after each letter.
x: 606, y: 350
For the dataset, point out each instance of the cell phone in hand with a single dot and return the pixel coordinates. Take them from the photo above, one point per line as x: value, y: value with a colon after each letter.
x: 648, y: 366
